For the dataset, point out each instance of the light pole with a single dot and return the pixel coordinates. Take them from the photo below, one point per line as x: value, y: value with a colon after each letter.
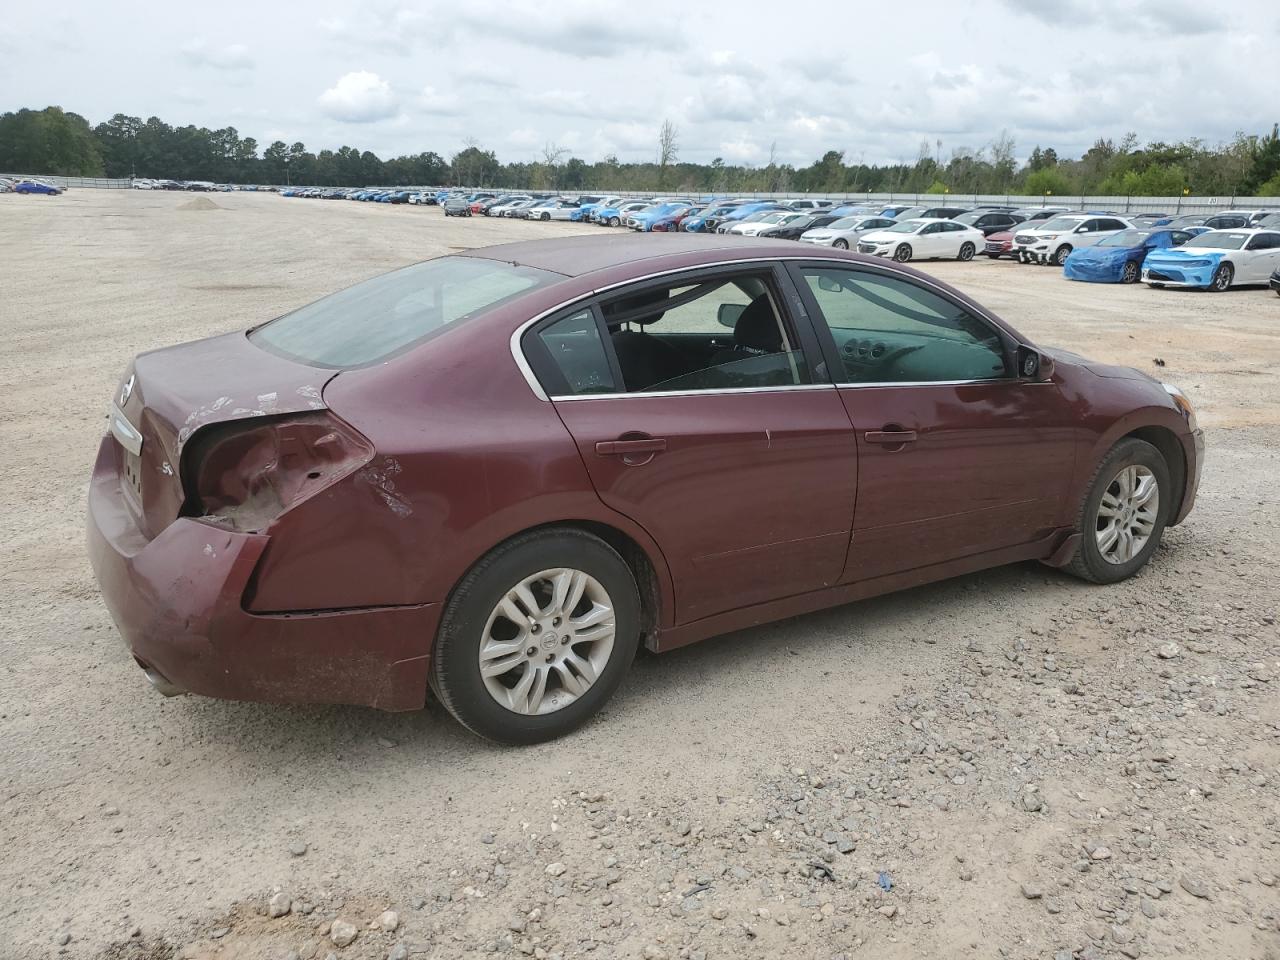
x: 287, y: 182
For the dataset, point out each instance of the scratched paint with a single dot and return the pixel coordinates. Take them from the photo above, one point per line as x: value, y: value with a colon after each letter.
x: 381, y: 477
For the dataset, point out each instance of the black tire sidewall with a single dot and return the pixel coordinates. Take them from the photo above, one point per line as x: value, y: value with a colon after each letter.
x: 902, y: 253
x: 972, y: 250
x: 840, y: 243
x: 455, y: 660
x: 1127, y: 453
x: 1223, y: 270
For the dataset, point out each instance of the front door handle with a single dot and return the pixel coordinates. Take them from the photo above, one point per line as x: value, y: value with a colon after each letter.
x: 891, y: 438
x: 625, y: 448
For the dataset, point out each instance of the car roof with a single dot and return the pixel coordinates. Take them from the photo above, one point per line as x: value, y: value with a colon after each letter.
x: 580, y: 255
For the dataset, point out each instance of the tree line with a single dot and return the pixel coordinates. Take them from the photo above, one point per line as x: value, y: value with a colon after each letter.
x: 54, y: 141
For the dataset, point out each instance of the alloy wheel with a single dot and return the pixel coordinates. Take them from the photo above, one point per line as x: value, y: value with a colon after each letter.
x: 1222, y: 278
x: 547, y: 640
x: 1130, y: 272
x: 1127, y: 514
x: 966, y: 252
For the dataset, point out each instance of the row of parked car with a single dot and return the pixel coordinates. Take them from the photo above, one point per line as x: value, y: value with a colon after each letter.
x: 29, y: 185
x: 1214, y: 250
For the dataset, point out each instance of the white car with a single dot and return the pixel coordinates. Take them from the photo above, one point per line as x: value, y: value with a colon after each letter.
x: 753, y: 224
x: 553, y: 210
x: 808, y: 206
x: 1053, y: 240
x: 923, y: 240
x: 844, y: 233
x: 501, y: 209
x: 142, y: 183
x: 1216, y: 260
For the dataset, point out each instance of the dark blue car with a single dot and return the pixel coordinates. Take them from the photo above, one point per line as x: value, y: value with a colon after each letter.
x: 1118, y: 258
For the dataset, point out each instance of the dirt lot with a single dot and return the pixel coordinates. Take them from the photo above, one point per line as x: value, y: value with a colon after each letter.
x: 1033, y: 767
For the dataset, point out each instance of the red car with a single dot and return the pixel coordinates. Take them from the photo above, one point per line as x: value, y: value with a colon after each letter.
x: 999, y: 244
x: 496, y: 473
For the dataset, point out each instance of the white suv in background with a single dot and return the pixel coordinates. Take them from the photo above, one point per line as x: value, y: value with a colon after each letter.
x: 1052, y: 240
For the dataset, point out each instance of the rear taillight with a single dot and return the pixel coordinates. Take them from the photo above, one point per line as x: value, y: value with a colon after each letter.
x: 246, y: 473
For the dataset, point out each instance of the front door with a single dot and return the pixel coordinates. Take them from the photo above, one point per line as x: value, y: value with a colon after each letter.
x: 706, y: 428
x: 956, y: 456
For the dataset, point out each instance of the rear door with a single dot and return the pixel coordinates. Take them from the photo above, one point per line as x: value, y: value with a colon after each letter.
x: 700, y: 414
x: 956, y: 456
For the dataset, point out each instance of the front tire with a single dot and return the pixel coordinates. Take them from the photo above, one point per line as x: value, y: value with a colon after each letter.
x: 1131, y: 272
x: 840, y: 243
x: 1222, y: 278
x: 546, y: 216
x: 1060, y: 255
x: 967, y: 251
x: 537, y: 636
x: 615, y: 222
x: 903, y: 253
x: 1124, y: 514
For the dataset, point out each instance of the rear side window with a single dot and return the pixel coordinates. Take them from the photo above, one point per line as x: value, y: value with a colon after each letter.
x: 379, y: 318
x: 575, y: 347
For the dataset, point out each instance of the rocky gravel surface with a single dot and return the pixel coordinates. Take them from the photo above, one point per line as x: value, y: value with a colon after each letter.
x: 1008, y: 765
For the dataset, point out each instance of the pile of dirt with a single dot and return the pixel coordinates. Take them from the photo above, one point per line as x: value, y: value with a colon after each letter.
x: 200, y: 203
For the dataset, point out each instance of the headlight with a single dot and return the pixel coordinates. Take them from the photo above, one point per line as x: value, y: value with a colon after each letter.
x: 1182, y: 403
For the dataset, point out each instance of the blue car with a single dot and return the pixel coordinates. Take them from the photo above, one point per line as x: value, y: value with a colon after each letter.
x: 1118, y: 258
x: 36, y: 186
x: 742, y: 212
x: 698, y: 222
x: 644, y: 220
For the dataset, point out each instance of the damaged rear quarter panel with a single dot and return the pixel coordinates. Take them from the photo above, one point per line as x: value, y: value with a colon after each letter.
x: 466, y: 456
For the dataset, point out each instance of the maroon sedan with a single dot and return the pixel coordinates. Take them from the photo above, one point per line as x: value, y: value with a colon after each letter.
x: 496, y: 473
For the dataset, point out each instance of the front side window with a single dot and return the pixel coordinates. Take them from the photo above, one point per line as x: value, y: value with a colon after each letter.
x: 891, y: 330
x: 717, y: 334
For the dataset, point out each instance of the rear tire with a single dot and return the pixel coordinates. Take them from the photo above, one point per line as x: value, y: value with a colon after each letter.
x: 966, y: 252
x: 1100, y: 558
x: 473, y: 622
x: 903, y: 253
x: 1222, y: 278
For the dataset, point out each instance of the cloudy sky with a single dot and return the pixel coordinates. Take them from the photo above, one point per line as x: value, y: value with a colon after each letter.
x: 598, y: 77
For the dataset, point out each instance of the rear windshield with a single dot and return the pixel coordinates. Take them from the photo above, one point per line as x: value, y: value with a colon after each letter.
x: 375, y: 319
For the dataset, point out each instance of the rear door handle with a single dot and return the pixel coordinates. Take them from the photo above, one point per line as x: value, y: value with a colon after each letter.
x: 623, y: 448
x: 890, y: 437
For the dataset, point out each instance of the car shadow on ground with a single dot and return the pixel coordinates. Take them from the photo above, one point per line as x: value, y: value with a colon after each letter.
x: 911, y: 632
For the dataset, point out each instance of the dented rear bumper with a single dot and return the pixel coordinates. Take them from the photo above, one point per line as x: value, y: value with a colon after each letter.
x: 177, y: 601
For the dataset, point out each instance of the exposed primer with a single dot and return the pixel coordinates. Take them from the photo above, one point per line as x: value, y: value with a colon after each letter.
x: 382, y: 479
x: 267, y: 401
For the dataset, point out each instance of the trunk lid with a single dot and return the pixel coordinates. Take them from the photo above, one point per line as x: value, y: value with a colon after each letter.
x: 169, y: 394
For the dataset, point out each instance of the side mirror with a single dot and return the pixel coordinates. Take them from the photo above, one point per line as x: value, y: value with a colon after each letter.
x: 1034, y: 365
x: 824, y: 283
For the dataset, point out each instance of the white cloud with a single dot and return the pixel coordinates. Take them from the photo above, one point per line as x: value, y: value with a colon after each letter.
x: 201, y: 53
x: 359, y: 97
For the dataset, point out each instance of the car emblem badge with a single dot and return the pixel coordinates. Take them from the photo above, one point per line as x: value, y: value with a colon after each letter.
x: 127, y: 390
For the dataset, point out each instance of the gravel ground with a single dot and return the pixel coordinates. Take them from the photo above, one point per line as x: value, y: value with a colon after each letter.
x: 1011, y: 764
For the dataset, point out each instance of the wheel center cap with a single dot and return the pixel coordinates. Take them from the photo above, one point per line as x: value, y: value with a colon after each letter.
x: 549, y: 641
